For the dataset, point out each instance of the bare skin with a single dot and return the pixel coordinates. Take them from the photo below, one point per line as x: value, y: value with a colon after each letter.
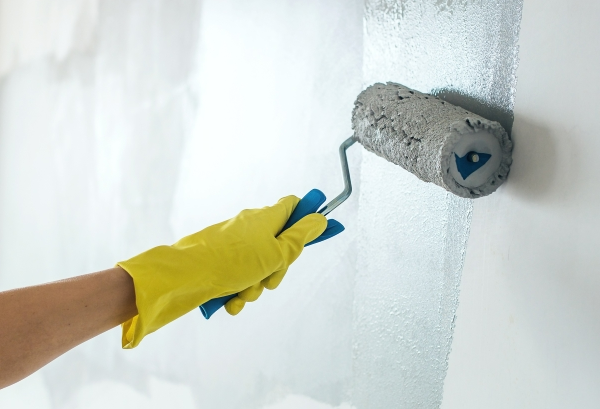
x: 40, y: 323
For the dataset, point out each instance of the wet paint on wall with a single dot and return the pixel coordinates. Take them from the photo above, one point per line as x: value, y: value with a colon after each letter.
x: 413, y: 235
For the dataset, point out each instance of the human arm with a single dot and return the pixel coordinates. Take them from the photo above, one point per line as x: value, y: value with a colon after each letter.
x: 240, y: 256
x: 40, y: 323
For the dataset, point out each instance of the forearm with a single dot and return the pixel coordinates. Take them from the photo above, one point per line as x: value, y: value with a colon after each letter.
x: 40, y: 323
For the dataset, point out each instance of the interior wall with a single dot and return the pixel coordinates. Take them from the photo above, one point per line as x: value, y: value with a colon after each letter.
x: 33, y: 29
x: 131, y: 123
x: 528, y: 325
x: 128, y: 124
x: 277, y: 81
x: 94, y: 110
x: 413, y: 235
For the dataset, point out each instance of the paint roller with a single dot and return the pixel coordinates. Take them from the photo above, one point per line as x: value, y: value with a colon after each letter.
x: 436, y: 141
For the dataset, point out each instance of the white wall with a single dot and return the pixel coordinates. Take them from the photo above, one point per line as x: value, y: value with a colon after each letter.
x: 124, y: 124
x: 277, y: 82
x: 167, y: 118
x: 528, y: 325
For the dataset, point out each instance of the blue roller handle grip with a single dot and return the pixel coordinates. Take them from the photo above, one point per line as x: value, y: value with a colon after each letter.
x: 307, y: 205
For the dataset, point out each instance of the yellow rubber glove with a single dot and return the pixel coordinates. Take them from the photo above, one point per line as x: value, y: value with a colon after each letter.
x: 240, y: 254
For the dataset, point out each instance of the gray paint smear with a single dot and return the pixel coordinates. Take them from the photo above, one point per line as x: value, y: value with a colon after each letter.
x: 413, y: 235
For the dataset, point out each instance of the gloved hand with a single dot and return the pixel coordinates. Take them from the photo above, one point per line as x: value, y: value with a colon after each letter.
x: 240, y: 255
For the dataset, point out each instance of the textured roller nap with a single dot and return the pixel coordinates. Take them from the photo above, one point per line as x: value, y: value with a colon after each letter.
x: 418, y: 132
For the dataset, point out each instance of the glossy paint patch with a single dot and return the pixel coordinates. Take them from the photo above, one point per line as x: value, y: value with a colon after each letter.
x: 413, y: 235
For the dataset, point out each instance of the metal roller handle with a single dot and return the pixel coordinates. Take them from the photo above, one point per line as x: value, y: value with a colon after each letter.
x: 304, y: 207
x: 339, y: 199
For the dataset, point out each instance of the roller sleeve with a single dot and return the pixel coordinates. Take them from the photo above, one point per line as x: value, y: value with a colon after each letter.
x: 438, y: 142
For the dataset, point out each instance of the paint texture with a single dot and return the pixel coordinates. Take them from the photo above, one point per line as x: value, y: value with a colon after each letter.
x: 420, y: 132
x: 412, y: 234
